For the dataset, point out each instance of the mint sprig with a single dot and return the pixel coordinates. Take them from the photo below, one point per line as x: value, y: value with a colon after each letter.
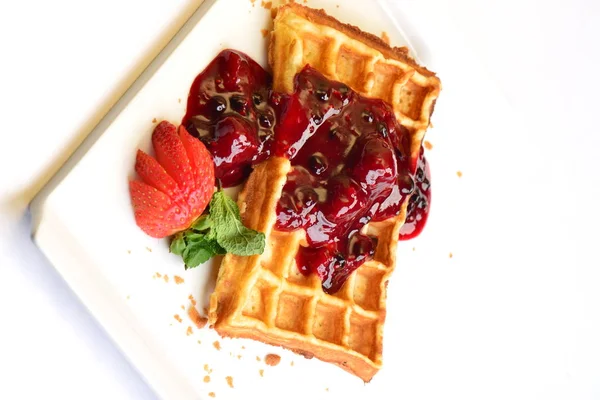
x: 219, y: 232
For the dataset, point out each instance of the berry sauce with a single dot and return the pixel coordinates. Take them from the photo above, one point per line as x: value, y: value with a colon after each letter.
x: 350, y: 157
x: 419, y: 202
x: 228, y: 110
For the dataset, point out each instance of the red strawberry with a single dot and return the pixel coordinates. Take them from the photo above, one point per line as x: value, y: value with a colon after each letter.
x: 175, y: 190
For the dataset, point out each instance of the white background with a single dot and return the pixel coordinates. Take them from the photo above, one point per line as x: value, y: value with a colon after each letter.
x: 63, y: 64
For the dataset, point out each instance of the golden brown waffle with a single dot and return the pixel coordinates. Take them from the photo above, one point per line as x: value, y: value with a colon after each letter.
x: 265, y: 297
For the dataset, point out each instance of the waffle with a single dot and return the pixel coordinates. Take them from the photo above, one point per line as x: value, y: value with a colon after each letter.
x: 265, y: 297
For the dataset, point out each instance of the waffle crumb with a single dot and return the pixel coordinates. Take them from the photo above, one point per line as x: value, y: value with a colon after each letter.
x: 128, y: 251
x: 272, y: 359
x: 229, y: 380
x: 239, y: 356
x: 177, y: 317
x: 192, y: 300
x: 154, y: 120
x: 292, y: 364
x: 178, y: 280
x: 459, y: 174
x: 266, y: 4
x: 414, y: 248
x: 450, y: 255
x: 182, y: 307
x: 261, y: 372
x: 385, y: 37
x: 166, y: 278
x: 217, y: 345
x: 179, y: 100
x: 212, y: 394
x: 196, y: 318
x: 264, y: 32
x: 206, y: 379
x: 427, y: 145
x: 149, y: 249
x: 189, y: 331
x: 199, y: 342
x: 243, y: 347
x: 206, y: 367
x: 258, y: 358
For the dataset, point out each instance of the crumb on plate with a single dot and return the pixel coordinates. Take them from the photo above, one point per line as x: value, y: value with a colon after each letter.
x: 261, y: 372
x: 217, y: 345
x: 264, y: 32
x: 189, y: 331
x: 427, y: 145
x: 211, y: 394
x: 206, y: 379
x: 166, y: 278
x: 192, y: 299
x: 154, y: 120
x: 178, y: 280
x: 229, y: 380
x: 177, y: 317
x: 459, y: 174
x: 272, y: 360
x: 149, y: 249
x: 450, y: 255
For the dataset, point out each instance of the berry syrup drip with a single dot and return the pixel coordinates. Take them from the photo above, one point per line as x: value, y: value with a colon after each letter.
x: 349, y: 167
x: 349, y: 157
x: 228, y: 110
x: 418, y: 204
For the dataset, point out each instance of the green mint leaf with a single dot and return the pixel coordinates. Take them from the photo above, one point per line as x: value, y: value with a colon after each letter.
x: 228, y: 229
x: 203, y: 223
x: 178, y: 244
x: 191, y: 236
x: 196, y: 253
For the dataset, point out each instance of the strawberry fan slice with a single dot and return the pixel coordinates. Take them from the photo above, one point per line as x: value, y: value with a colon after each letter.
x: 176, y: 187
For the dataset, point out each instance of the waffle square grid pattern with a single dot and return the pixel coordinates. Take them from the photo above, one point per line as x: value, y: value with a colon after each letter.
x: 363, y: 61
x: 284, y: 299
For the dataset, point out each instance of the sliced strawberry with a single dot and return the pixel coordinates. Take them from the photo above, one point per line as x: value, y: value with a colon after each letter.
x: 171, y: 154
x: 202, y: 168
x: 154, y: 174
x: 155, y: 212
x: 175, y: 189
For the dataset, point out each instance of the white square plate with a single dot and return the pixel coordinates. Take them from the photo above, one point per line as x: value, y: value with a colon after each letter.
x: 84, y: 223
